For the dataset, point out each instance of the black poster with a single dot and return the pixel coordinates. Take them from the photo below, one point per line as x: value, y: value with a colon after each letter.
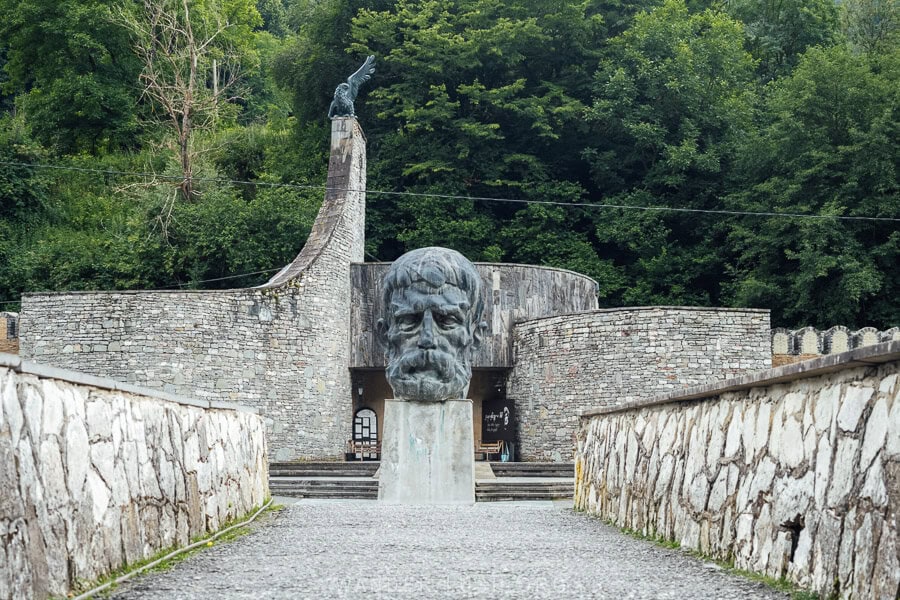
x: 498, y: 421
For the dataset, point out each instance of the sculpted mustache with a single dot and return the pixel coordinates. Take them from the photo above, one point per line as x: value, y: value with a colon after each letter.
x: 419, y: 359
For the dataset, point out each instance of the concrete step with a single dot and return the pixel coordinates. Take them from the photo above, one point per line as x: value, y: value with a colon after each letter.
x: 323, y: 481
x: 324, y: 469
x: 521, y: 488
x: 324, y: 487
x: 330, y: 494
x: 533, y: 469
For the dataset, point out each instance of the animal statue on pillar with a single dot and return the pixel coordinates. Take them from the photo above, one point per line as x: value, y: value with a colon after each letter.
x: 345, y: 93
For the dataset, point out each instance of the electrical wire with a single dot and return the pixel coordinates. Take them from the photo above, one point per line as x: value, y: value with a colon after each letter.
x: 174, y: 553
x: 224, y: 278
x: 457, y: 197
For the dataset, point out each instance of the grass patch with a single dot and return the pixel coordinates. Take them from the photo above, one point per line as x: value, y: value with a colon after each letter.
x: 84, y: 586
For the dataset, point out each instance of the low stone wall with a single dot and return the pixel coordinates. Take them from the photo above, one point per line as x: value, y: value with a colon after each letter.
x: 607, y: 357
x: 96, y: 474
x: 790, y: 346
x: 794, y: 472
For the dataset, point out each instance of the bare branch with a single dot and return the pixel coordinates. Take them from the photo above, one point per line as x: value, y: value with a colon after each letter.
x: 176, y: 50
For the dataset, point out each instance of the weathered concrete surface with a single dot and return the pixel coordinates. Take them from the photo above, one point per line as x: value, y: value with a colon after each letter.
x: 93, y: 477
x: 514, y: 293
x: 792, y: 473
x: 427, y: 453
x: 515, y: 550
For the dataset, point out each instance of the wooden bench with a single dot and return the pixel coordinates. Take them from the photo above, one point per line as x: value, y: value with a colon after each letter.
x: 485, y: 449
x: 357, y: 450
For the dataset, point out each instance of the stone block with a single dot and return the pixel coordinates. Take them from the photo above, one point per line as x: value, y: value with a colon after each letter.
x: 427, y: 453
x: 852, y: 406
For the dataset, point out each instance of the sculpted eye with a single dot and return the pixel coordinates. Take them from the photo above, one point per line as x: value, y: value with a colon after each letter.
x: 407, y: 321
x: 446, y: 321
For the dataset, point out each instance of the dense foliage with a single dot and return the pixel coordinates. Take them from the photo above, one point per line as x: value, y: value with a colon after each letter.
x: 626, y: 139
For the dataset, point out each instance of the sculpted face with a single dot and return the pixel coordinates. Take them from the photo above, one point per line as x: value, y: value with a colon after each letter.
x: 432, y: 323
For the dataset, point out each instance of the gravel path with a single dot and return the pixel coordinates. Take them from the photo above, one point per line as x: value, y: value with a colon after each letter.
x: 360, y: 549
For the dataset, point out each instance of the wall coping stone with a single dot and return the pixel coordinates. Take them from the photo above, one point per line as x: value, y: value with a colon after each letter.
x: 260, y: 288
x: 860, y: 357
x: 11, y: 361
x: 497, y: 264
x: 630, y: 309
x: 136, y: 292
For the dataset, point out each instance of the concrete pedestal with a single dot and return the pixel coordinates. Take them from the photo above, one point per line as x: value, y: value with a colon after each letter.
x: 427, y: 453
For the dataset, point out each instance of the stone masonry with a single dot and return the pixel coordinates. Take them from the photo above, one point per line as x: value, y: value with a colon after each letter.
x: 96, y: 475
x: 282, y: 348
x: 568, y: 363
x: 793, y: 472
x: 790, y: 346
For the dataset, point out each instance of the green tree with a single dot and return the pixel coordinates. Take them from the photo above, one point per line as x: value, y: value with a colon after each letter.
x: 671, y: 101
x: 475, y: 98
x: 274, y: 16
x: 830, y: 147
x: 871, y: 25
x: 192, y: 57
x: 72, y: 71
x: 23, y: 190
x: 779, y: 31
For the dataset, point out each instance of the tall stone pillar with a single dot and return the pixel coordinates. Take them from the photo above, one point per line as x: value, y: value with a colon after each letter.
x: 317, y: 415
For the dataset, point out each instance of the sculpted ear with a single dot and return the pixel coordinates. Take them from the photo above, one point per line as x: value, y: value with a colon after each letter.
x: 381, y: 329
x: 478, y: 334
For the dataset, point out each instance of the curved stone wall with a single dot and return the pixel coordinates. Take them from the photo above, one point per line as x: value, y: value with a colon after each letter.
x: 568, y: 363
x: 791, y: 472
x: 282, y: 348
x: 95, y: 475
x: 514, y: 293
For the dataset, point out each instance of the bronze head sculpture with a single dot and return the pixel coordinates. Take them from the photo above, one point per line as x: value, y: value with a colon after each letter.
x: 432, y: 322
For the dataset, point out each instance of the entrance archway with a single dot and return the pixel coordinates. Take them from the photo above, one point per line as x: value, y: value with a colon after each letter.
x: 365, y: 434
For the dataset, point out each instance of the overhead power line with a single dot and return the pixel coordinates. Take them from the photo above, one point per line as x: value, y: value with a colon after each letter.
x: 181, y: 285
x: 457, y: 197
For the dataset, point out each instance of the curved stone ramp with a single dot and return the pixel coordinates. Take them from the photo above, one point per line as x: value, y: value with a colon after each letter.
x: 359, y: 549
x: 339, y: 227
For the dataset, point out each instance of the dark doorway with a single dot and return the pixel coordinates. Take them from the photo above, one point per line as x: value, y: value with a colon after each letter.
x: 370, y: 388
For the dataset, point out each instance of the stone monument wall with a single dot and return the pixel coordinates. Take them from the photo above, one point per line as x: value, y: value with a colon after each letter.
x: 568, y: 363
x: 96, y: 475
x: 513, y: 293
x: 282, y: 348
x: 792, y: 472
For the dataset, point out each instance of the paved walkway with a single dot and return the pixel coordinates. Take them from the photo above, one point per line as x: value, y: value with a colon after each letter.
x: 363, y: 549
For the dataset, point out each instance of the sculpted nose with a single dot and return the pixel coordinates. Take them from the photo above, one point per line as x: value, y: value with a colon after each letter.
x: 426, y: 340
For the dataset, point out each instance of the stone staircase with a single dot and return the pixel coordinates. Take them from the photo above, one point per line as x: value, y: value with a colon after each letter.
x: 506, y: 489
x: 527, y: 481
x: 324, y: 480
x: 510, y: 481
x: 534, y: 469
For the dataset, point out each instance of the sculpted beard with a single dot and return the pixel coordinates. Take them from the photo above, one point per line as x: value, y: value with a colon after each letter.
x: 430, y: 375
